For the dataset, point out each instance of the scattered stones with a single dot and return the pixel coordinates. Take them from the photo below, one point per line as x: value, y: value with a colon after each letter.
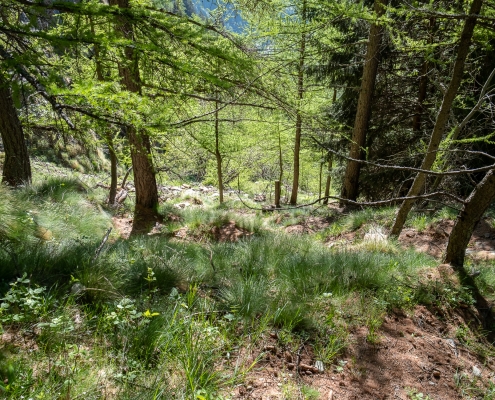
x: 271, y: 349
x: 259, y: 197
x: 306, y: 367
x: 320, y: 366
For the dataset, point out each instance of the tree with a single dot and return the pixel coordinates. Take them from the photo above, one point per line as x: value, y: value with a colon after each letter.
x: 300, y: 96
x: 16, y: 167
x: 443, y: 115
x: 474, y: 207
x: 351, y: 177
x: 140, y: 145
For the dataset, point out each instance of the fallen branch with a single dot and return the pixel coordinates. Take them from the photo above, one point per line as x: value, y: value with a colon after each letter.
x: 100, y: 247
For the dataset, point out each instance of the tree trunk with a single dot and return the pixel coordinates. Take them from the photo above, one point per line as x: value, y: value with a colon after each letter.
x: 218, y: 156
x: 423, y: 88
x: 140, y: 144
x: 363, y: 112
x: 107, y: 135
x: 113, y: 170
x: 300, y: 95
x: 329, y: 178
x: 16, y: 167
x: 476, y: 204
x: 442, y: 117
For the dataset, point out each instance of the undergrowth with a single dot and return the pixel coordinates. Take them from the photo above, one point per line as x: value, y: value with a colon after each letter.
x: 156, y: 318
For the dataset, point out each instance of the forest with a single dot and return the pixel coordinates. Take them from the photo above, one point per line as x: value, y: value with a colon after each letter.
x: 235, y: 199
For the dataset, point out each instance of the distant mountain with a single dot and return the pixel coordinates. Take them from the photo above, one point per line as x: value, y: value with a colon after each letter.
x: 204, y: 8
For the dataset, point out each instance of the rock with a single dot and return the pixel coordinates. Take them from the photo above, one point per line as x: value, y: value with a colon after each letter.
x: 320, y: 366
x: 436, y: 374
x: 290, y: 366
x: 77, y: 288
x: 375, y: 234
x: 271, y: 349
x: 330, y: 395
x: 476, y: 371
x: 306, y: 367
x: 288, y: 357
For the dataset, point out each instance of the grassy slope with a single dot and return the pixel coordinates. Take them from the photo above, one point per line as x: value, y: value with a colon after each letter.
x: 154, y: 318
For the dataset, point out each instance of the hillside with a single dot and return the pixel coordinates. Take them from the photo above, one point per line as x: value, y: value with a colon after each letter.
x: 232, y: 303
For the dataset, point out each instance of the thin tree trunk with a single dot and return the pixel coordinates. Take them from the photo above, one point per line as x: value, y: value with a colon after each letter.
x: 113, y: 170
x: 140, y: 145
x: 107, y: 135
x: 423, y: 88
x: 363, y: 113
x: 320, y: 181
x: 329, y: 178
x: 442, y: 117
x: 458, y: 129
x: 16, y: 167
x: 218, y: 156
x: 300, y: 95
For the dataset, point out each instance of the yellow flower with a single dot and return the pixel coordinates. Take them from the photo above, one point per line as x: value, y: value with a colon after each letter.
x: 149, y: 314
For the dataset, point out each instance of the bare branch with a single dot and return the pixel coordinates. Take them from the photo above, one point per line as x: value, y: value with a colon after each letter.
x: 401, y: 168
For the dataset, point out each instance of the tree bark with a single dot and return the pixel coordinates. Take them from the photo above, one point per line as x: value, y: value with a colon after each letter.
x: 140, y: 145
x: 113, y: 170
x: 358, y: 139
x: 16, y: 167
x: 423, y: 87
x: 218, y: 156
x: 329, y: 178
x: 476, y: 204
x: 442, y: 117
x: 107, y: 135
x: 300, y: 95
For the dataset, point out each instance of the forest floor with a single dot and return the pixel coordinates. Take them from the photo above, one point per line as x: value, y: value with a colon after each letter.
x: 416, y: 354
x: 230, y: 302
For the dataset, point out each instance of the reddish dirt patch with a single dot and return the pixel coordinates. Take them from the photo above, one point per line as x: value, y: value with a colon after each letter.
x: 229, y: 232
x: 309, y: 225
x: 123, y: 226
x: 415, y: 353
x: 434, y: 239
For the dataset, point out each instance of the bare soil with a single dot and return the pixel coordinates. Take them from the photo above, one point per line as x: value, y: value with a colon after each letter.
x: 416, y: 353
x: 434, y: 240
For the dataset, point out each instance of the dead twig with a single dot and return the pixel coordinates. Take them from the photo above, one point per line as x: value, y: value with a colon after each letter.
x: 100, y: 247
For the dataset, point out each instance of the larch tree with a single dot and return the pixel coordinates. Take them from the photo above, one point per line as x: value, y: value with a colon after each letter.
x: 140, y: 145
x: 16, y: 167
x: 442, y: 116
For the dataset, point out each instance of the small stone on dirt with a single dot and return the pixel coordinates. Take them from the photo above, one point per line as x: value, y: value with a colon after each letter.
x: 476, y: 371
x: 436, y: 374
x: 319, y: 365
